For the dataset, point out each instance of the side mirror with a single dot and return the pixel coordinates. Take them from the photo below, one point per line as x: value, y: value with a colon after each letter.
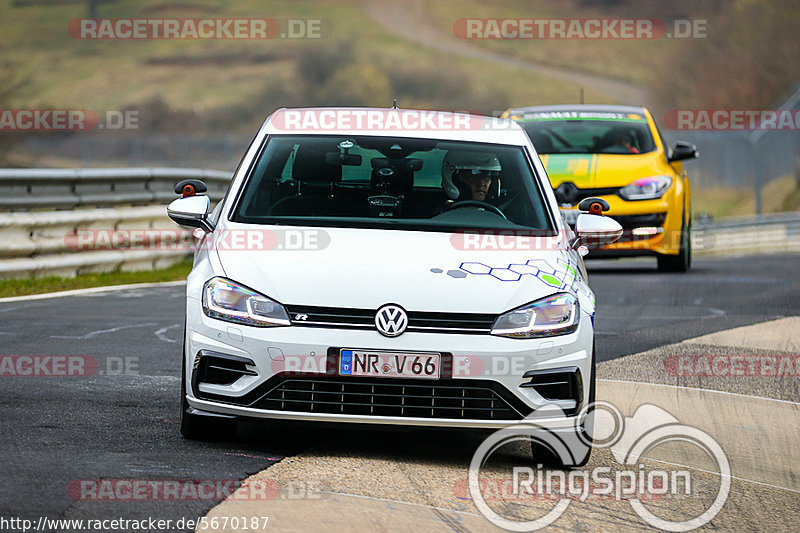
x: 595, y: 231
x: 683, y: 150
x: 192, y: 212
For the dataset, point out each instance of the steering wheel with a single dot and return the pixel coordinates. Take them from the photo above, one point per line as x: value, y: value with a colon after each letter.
x: 477, y: 203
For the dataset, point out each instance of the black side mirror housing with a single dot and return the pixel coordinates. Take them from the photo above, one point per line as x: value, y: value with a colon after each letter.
x: 683, y: 150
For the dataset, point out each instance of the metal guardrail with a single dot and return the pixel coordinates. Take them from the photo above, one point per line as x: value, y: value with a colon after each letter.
x: 41, y: 208
x: 790, y: 219
x: 40, y: 189
x: 765, y: 234
x: 35, y: 237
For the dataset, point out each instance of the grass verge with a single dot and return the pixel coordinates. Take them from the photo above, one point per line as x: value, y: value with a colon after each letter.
x: 25, y: 286
x: 778, y: 196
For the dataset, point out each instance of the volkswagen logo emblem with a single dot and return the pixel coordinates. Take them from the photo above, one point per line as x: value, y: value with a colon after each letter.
x: 391, y: 320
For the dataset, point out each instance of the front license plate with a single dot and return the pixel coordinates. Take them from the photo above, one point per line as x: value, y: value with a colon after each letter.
x: 389, y: 364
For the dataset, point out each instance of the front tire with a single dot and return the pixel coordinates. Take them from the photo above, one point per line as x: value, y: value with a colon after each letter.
x: 683, y: 261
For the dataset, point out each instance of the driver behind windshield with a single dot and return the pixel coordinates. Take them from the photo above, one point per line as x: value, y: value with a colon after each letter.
x: 623, y: 139
x: 470, y: 175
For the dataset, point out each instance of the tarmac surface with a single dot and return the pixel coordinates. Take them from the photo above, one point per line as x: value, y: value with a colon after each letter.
x: 659, y: 339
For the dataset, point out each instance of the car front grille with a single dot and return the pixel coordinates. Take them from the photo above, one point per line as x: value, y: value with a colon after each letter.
x: 568, y: 193
x: 450, y: 399
x: 418, y: 321
x: 629, y: 222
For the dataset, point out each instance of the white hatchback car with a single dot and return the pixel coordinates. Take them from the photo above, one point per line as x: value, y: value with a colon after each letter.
x: 390, y: 267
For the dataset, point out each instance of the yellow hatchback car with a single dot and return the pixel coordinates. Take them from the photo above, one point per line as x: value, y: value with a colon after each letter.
x: 617, y: 153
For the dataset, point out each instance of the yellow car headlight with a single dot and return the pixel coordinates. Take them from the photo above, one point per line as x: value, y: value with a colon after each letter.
x: 648, y: 188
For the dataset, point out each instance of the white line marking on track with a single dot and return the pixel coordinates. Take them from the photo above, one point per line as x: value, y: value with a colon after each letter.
x: 160, y: 333
x: 93, y: 334
x: 397, y: 501
x: 717, y: 473
x: 91, y: 290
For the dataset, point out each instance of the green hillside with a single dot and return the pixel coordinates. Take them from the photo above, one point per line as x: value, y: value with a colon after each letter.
x: 230, y: 85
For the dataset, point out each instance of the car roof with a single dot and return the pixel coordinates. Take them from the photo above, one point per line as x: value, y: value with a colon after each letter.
x: 434, y: 124
x: 598, y: 108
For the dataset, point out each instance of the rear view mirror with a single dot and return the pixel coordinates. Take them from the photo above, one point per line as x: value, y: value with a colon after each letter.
x: 595, y: 231
x: 191, y: 212
x: 350, y: 160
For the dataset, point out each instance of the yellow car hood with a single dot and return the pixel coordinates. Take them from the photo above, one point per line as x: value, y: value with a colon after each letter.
x: 600, y: 170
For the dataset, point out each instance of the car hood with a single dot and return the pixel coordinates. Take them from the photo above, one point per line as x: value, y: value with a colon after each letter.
x: 420, y: 271
x: 600, y: 170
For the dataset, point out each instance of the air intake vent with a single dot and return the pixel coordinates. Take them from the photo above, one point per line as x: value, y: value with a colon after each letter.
x: 447, y: 398
x: 556, y: 384
x: 220, y: 369
x: 378, y: 398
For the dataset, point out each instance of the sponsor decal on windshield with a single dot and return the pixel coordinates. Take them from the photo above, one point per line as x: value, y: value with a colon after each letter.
x: 540, y: 116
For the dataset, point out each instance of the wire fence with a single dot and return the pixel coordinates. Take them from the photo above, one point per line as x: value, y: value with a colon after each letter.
x: 731, y: 159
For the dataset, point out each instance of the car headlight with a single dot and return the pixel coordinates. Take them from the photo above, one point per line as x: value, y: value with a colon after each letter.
x: 555, y: 315
x: 646, y: 188
x: 229, y: 301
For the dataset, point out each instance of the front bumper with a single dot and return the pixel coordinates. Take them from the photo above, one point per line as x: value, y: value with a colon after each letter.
x: 303, y: 354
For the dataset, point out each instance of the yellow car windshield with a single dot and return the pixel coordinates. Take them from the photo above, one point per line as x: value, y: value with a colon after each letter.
x: 589, y: 136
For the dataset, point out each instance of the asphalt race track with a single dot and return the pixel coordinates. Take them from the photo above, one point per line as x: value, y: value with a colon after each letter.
x: 121, y: 421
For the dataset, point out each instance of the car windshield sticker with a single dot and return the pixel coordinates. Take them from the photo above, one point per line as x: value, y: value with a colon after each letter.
x: 579, y: 115
x: 579, y: 168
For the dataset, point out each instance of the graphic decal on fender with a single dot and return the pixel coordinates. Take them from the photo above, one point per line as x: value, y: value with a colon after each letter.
x: 565, y: 276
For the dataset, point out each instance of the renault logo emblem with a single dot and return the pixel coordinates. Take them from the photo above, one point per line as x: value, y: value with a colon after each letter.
x: 567, y: 193
x: 391, y: 320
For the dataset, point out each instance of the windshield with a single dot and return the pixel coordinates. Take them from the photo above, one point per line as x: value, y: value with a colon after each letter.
x: 388, y: 182
x: 580, y: 132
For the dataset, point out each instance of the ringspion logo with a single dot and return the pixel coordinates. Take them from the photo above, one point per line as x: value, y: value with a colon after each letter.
x: 629, y: 439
